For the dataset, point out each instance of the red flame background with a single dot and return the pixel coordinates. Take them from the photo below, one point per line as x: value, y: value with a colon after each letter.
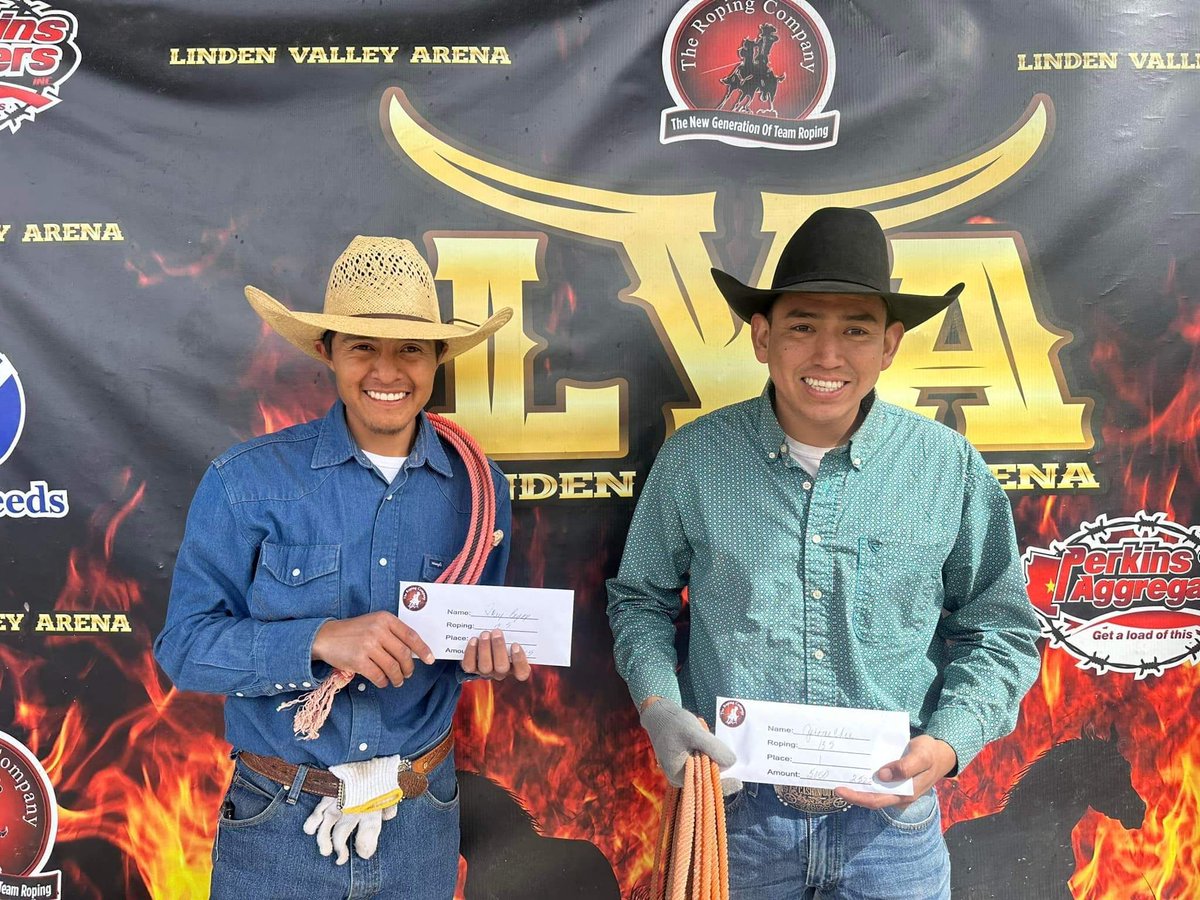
x: 147, y: 780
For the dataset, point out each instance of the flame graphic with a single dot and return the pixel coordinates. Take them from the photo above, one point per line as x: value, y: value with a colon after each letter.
x: 140, y: 768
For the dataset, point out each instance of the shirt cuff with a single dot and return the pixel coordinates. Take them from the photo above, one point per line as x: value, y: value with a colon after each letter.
x: 283, y: 655
x: 961, y: 729
x: 645, y: 685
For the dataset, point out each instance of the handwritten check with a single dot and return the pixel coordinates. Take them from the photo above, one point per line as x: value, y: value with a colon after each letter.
x: 446, y: 616
x: 812, y: 746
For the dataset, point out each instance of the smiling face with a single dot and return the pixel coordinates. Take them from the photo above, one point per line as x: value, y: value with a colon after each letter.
x: 824, y: 353
x: 384, y: 384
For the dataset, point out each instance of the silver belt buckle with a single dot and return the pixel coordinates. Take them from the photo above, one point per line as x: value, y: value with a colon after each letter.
x: 814, y: 801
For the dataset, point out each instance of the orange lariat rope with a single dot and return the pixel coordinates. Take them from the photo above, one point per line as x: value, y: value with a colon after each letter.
x: 692, y: 860
x: 466, y: 568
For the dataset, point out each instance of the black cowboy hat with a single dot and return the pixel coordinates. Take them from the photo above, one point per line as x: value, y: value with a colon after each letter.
x: 836, y: 251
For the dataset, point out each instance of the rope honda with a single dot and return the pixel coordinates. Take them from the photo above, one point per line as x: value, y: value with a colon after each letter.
x: 692, y: 862
x: 466, y: 568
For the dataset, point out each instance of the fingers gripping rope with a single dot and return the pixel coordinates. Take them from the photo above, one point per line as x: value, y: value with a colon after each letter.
x: 691, y: 861
x: 466, y: 568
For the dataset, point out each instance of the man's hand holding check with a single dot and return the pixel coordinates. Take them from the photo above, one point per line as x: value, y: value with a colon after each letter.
x: 926, y: 760
x: 382, y: 649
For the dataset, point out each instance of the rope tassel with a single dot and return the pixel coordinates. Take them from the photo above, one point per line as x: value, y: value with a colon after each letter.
x: 466, y: 568
x: 692, y: 860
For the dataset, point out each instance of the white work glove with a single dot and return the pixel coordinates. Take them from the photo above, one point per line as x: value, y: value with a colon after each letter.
x: 334, y: 827
x: 675, y: 733
x: 369, y: 784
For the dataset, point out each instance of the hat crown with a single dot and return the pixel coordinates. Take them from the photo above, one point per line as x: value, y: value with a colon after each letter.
x: 381, y: 276
x: 836, y: 244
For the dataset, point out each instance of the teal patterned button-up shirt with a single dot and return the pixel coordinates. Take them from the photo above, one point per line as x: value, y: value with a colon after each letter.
x: 890, y: 580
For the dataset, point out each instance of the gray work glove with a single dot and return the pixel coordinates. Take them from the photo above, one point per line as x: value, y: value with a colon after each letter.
x: 675, y: 733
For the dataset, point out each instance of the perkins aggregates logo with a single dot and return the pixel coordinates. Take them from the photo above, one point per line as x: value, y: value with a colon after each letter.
x: 28, y: 824
x: 1121, y: 594
x: 39, y: 501
x: 751, y: 74
x: 37, y: 54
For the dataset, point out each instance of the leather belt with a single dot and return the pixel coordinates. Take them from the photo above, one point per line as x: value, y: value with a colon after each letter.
x: 412, y: 776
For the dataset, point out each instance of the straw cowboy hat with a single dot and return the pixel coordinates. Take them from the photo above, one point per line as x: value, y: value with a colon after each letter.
x: 379, y: 287
x: 835, y: 251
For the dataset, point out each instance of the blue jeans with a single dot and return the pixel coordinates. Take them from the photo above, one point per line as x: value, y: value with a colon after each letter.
x: 262, y: 851
x: 776, y: 852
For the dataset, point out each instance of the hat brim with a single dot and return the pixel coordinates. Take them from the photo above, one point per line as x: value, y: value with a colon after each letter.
x: 909, y: 309
x: 301, y: 329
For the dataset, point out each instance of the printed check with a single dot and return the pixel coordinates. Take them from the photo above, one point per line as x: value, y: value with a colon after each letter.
x: 446, y: 616
x: 812, y: 746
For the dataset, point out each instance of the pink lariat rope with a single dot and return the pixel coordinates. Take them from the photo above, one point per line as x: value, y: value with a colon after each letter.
x: 466, y: 568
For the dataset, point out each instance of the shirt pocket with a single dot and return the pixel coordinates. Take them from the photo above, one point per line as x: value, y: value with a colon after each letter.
x: 899, y: 593
x: 296, y: 581
x: 432, y: 567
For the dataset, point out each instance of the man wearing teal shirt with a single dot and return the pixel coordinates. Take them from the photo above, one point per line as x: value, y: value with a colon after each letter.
x: 837, y: 551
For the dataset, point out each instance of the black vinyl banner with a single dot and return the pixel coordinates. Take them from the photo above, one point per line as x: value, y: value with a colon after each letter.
x: 586, y: 164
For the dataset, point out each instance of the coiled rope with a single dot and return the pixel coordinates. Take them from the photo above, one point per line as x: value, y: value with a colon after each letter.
x: 692, y: 860
x: 466, y: 568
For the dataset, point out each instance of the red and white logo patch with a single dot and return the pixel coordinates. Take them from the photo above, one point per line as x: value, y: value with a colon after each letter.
x: 1121, y: 594
x: 37, y: 54
x: 28, y: 823
x: 751, y: 74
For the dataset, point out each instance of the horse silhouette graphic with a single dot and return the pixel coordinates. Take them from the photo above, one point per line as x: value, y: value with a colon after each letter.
x: 508, y: 859
x: 1025, y: 849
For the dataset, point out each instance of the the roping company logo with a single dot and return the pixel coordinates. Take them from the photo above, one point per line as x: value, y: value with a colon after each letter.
x: 414, y: 598
x: 1121, y: 594
x: 732, y: 713
x: 752, y: 73
x: 28, y: 824
x: 37, y: 54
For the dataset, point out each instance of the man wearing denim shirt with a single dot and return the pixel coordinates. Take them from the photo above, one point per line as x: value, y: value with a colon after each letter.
x: 295, y: 546
x: 837, y: 551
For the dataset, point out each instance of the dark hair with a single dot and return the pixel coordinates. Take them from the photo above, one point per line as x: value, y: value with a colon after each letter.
x: 439, y: 347
x: 887, y: 310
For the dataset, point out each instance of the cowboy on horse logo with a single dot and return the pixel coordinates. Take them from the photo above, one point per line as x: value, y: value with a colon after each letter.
x: 749, y: 74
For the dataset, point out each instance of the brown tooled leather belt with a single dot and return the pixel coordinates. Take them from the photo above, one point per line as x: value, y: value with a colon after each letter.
x: 412, y: 776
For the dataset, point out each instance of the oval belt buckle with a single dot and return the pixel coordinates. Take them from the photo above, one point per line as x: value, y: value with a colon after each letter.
x: 814, y: 801
x: 404, y: 767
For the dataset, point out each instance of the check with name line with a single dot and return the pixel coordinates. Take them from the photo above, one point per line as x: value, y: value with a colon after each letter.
x: 812, y: 746
x: 447, y: 616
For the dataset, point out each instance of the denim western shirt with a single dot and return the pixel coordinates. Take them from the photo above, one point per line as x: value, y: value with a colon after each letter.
x: 293, y: 529
x: 890, y: 580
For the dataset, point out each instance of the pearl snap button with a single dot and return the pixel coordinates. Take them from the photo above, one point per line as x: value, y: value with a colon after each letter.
x: 816, y: 595
x: 362, y: 686
x: 383, y: 561
x: 295, y: 573
x: 818, y: 654
x: 816, y: 539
